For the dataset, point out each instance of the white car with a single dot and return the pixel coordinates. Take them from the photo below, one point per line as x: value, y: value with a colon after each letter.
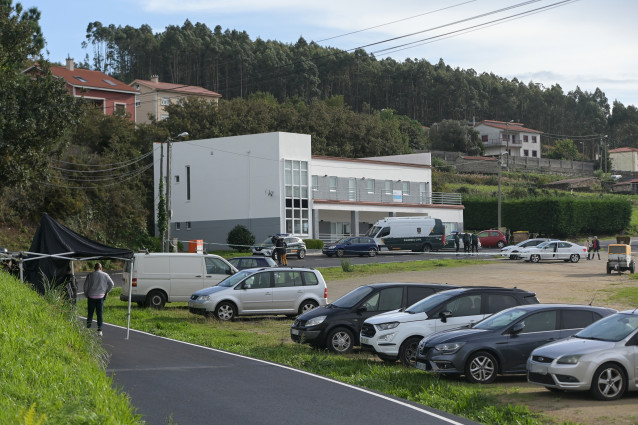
x: 554, y: 250
x: 396, y: 334
x: 511, y: 251
x: 601, y: 359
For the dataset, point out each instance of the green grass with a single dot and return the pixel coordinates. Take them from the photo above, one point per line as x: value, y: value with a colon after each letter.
x: 626, y: 296
x: 337, y: 273
x: 51, y: 368
x: 269, y: 339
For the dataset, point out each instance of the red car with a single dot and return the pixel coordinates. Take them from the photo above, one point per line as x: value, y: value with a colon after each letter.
x: 490, y: 238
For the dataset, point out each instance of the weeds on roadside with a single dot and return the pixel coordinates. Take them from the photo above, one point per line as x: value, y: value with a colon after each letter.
x: 346, y: 266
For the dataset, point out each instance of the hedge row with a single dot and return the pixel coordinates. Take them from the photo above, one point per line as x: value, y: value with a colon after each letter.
x: 559, y: 217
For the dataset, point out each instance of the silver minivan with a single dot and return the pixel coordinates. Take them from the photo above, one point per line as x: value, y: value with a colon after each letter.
x: 271, y: 290
x: 160, y: 277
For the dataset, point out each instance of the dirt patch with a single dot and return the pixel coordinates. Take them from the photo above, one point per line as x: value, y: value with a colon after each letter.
x: 579, y: 283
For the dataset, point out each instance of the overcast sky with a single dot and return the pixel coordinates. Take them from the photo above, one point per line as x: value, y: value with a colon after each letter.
x: 585, y: 43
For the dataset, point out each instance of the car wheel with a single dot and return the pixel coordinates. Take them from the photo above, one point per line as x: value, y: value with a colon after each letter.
x: 301, y: 254
x: 340, y: 341
x: 426, y: 247
x: 574, y: 258
x: 340, y: 253
x: 535, y: 258
x: 225, y: 311
x: 500, y: 244
x: 407, y: 351
x: 608, y: 383
x: 372, y: 252
x: 513, y: 257
x: 156, y: 299
x: 387, y: 359
x: 307, y: 306
x: 609, y: 270
x: 481, y: 368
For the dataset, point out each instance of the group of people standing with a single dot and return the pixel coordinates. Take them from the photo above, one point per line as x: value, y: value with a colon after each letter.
x: 279, y: 250
x: 593, y: 248
x: 470, y: 242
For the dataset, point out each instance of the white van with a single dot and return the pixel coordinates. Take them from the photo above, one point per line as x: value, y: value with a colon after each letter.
x: 160, y: 277
x: 418, y: 233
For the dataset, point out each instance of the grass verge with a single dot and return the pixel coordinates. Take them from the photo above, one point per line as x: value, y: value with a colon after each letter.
x: 51, y: 368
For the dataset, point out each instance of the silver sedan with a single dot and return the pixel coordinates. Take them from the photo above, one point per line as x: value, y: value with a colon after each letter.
x: 554, y: 250
x: 601, y: 359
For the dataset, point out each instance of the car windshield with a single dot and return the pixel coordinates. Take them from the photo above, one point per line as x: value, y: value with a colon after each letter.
x: 340, y: 241
x: 501, y: 319
x: 353, y: 297
x: 267, y: 241
x: 612, y: 328
x: 430, y: 302
x: 235, y: 279
x: 373, y: 231
x: 542, y: 245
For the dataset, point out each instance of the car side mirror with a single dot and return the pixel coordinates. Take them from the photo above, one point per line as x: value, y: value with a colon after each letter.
x: 517, y: 328
x: 444, y: 315
x: 362, y: 309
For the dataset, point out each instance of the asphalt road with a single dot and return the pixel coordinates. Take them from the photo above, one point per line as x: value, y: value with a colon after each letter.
x: 175, y: 382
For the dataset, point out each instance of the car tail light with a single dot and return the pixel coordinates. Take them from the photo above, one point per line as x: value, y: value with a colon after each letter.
x: 134, y: 282
x: 325, y: 293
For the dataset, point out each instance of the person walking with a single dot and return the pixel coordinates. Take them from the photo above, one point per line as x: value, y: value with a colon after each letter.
x: 588, y: 247
x: 595, y: 247
x: 283, y: 254
x: 96, y: 287
x: 275, y: 251
x: 278, y: 249
x: 466, y: 243
x: 457, y: 242
x: 475, y: 242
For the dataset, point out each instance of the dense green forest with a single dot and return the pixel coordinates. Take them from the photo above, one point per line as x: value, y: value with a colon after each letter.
x: 230, y: 63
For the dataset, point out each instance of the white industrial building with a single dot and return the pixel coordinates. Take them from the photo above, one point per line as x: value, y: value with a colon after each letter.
x: 271, y: 183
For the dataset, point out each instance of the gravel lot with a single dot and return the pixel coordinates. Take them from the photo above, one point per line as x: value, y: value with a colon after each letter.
x: 578, y: 283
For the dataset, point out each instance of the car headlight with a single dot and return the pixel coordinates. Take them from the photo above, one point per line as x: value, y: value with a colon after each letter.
x: 203, y: 298
x: 332, y: 247
x: 386, y: 326
x: 569, y: 359
x: 315, y: 321
x: 449, y: 348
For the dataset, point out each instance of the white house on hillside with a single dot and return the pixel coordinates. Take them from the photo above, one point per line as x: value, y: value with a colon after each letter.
x: 511, y: 137
x: 271, y: 183
x: 624, y: 159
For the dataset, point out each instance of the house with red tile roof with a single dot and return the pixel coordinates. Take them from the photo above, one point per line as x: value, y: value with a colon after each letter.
x: 511, y: 137
x: 624, y: 159
x: 96, y: 87
x: 155, y: 96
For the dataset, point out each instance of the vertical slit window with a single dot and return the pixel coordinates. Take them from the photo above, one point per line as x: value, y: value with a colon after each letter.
x: 188, y: 183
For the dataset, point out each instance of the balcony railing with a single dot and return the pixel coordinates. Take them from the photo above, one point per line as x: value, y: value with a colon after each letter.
x: 365, y: 196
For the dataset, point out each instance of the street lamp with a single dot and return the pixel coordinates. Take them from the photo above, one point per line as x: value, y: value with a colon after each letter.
x: 168, y: 185
x: 499, y: 164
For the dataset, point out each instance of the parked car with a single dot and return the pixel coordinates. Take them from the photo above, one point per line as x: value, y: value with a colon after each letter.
x: 512, y: 251
x: 158, y: 277
x: 272, y: 290
x: 492, y: 238
x: 501, y: 343
x: 242, y: 263
x: 352, y: 245
x: 554, y: 250
x: 601, y: 359
x: 396, y: 335
x: 337, y: 325
x: 295, y: 246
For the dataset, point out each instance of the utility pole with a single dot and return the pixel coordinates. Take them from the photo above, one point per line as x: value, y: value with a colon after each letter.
x: 162, y: 187
x: 499, y: 165
x: 169, y: 182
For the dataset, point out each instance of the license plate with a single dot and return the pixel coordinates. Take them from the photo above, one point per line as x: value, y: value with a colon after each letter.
x: 540, y: 369
x: 364, y: 340
x: 294, y: 331
x: 421, y: 366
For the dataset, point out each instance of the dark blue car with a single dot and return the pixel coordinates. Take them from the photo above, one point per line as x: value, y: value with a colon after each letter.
x: 351, y: 245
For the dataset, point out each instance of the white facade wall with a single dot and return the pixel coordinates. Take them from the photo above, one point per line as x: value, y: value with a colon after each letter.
x: 624, y: 161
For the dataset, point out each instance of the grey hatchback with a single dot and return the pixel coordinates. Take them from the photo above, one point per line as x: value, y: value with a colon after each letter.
x: 501, y: 343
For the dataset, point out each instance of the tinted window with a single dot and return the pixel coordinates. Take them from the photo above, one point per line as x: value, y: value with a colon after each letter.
x: 284, y: 279
x: 468, y: 305
x: 498, y: 302
x: 384, y: 300
x: 216, y: 266
x: 482, y: 235
x: 417, y: 293
x: 540, y: 322
x: 257, y: 281
x: 384, y: 232
x: 310, y: 278
x: 577, y: 319
x: 351, y: 298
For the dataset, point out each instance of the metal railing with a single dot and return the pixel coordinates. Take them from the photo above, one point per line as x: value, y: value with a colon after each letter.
x: 405, y: 198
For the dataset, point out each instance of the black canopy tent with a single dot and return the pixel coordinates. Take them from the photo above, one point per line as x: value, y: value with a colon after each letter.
x: 54, y: 245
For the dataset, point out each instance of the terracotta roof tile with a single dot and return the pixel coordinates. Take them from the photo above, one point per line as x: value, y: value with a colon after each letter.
x: 178, y: 88
x: 90, y: 79
x: 619, y: 150
x: 509, y: 126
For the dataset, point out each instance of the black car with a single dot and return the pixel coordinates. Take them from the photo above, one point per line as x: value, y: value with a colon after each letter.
x: 337, y: 325
x: 242, y: 263
x: 501, y: 343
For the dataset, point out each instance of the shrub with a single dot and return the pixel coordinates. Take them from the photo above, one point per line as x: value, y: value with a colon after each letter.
x: 240, y: 237
x: 346, y: 266
x: 313, y: 243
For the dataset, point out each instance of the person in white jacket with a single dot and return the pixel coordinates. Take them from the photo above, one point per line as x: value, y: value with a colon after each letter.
x: 96, y: 287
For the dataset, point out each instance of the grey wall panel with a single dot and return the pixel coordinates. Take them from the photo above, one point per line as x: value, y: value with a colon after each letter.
x: 214, y: 233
